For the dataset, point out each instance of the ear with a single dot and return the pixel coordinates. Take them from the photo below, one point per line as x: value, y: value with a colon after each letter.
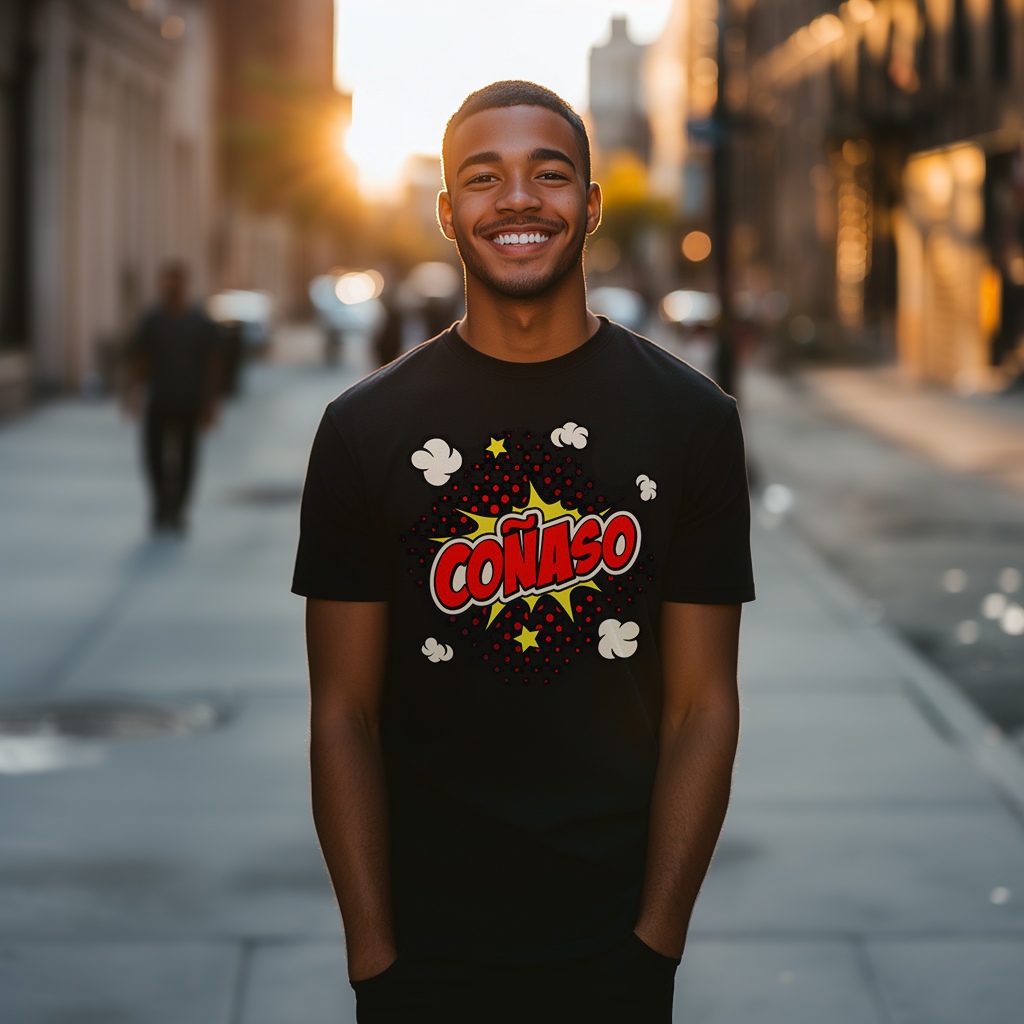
x: 444, y: 215
x: 593, y: 207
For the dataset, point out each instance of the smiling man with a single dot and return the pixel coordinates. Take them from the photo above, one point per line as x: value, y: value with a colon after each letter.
x: 524, y: 547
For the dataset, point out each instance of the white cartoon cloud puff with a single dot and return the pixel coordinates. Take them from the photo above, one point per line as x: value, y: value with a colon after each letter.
x: 648, y: 488
x: 570, y: 433
x: 436, y: 652
x: 438, y: 460
x: 618, y: 639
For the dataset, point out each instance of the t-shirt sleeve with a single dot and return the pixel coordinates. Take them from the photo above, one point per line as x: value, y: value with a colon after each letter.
x: 340, y: 556
x: 709, y: 558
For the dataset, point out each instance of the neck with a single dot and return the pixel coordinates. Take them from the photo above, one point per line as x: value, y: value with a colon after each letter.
x: 528, y: 330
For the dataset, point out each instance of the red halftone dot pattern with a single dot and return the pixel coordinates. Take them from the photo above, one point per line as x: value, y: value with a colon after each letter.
x: 491, y: 489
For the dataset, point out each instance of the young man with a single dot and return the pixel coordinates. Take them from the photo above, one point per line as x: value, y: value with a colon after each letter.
x: 524, y: 547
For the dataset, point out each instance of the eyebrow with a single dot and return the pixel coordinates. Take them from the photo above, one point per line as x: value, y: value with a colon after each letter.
x: 490, y: 157
x: 552, y: 154
x: 536, y: 155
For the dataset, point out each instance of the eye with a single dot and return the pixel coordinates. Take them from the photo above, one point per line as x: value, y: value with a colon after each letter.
x: 482, y: 179
x: 553, y: 176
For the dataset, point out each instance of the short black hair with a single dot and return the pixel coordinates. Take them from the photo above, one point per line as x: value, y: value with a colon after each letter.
x: 516, y: 93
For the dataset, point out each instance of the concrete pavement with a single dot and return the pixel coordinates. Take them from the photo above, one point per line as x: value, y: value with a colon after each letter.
x: 871, y: 870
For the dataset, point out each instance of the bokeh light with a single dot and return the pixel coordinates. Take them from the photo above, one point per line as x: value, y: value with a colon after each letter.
x: 697, y: 246
x: 358, y: 286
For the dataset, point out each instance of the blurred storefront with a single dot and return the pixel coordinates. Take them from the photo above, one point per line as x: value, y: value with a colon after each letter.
x: 949, y: 294
x: 874, y: 153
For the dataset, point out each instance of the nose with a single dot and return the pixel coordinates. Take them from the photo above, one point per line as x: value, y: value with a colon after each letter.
x: 517, y: 196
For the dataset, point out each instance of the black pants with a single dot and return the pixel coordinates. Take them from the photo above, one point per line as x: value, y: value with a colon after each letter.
x: 628, y: 983
x: 170, y: 450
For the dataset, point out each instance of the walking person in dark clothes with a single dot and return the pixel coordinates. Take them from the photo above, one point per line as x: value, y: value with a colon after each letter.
x: 524, y: 546
x: 175, y: 359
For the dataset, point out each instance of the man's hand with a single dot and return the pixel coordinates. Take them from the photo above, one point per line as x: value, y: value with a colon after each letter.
x: 134, y: 388
x: 131, y: 400
x: 209, y: 416
x: 699, y: 731
x: 346, y: 644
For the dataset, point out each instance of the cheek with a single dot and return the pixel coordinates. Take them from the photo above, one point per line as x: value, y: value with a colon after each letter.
x: 465, y: 215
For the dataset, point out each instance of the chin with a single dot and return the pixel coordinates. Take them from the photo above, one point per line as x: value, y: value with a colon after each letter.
x: 523, y: 284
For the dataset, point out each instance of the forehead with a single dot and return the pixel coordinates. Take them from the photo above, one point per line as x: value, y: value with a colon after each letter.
x: 512, y: 132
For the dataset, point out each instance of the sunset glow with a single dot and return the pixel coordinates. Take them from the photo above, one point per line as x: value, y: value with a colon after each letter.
x: 410, y: 65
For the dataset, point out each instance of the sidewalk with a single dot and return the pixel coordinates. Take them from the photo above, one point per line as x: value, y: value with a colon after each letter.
x: 981, y: 434
x: 871, y: 870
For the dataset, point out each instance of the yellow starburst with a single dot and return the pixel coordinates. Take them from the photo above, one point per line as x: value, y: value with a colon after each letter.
x: 528, y: 639
x: 564, y: 597
x: 548, y: 509
x: 497, y: 447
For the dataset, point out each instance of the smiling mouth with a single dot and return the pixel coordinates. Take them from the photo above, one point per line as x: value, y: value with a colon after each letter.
x: 520, y: 240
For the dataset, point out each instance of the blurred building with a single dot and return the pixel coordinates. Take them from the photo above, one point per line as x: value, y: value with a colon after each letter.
x: 877, y: 176
x: 618, y: 111
x: 286, y: 185
x: 105, y: 172
x: 667, y: 93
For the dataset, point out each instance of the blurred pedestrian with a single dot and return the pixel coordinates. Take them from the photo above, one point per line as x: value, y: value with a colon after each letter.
x: 524, y: 546
x: 440, y: 312
x: 174, y: 369
x: 387, y: 342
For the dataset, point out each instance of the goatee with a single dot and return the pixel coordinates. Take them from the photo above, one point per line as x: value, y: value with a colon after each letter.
x: 524, y: 285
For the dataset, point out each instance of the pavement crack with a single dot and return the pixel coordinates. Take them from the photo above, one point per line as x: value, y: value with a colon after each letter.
x: 236, y: 1011
x: 869, y: 976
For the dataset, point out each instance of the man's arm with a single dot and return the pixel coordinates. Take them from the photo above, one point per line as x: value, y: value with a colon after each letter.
x: 136, y: 364
x: 699, y: 730
x: 346, y: 643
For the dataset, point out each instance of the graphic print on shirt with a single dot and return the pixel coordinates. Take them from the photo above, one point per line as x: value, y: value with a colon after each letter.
x: 525, y: 555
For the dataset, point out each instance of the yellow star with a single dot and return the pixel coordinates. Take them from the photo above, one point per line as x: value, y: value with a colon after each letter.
x: 497, y: 447
x: 528, y: 639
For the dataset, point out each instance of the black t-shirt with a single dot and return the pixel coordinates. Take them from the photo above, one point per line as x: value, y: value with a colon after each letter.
x: 179, y: 350
x: 524, y: 520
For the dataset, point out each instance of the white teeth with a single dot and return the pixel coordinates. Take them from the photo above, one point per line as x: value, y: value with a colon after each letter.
x: 523, y: 239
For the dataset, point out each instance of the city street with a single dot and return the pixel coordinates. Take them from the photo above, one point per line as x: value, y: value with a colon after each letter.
x: 158, y: 862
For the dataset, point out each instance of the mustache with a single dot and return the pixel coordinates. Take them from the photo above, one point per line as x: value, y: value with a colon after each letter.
x: 515, y: 222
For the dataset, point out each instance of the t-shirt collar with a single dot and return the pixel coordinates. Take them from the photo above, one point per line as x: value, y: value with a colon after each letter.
x: 544, y: 368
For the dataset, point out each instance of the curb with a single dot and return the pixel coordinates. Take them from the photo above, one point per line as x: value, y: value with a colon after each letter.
x: 934, y: 695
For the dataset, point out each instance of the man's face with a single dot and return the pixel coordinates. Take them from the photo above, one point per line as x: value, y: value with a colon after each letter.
x: 517, y: 171
x: 172, y: 288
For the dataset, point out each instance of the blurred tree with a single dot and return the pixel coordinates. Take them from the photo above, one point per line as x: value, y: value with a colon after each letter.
x: 632, y: 218
x: 285, y: 151
x: 627, y: 204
